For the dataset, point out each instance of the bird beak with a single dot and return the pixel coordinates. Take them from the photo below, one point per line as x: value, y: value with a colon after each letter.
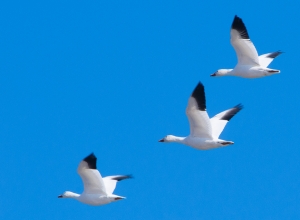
x: 161, y: 140
x: 60, y: 196
x: 214, y: 74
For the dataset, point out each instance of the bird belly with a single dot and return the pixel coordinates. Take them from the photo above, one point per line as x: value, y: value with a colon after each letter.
x: 96, y: 200
x: 201, y: 143
x: 249, y: 72
x: 255, y: 72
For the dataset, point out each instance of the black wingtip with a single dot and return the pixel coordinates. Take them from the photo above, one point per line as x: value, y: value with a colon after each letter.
x: 232, y: 112
x: 239, y: 106
x: 275, y: 54
x: 91, y: 161
x: 119, y: 178
x: 239, y: 25
x: 199, y: 95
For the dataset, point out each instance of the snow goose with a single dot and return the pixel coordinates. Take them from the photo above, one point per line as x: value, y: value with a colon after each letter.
x: 250, y: 65
x: 204, y: 132
x: 97, y: 190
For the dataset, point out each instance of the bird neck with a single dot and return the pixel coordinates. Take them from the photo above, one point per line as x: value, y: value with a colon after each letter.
x: 176, y: 139
x: 229, y: 72
x: 72, y: 195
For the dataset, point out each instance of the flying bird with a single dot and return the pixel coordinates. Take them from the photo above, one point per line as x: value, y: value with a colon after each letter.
x: 204, y: 132
x: 249, y: 65
x: 97, y: 190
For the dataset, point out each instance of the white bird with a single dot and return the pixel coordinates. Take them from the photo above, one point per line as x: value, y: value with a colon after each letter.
x: 97, y: 190
x: 204, y: 132
x: 249, y: 65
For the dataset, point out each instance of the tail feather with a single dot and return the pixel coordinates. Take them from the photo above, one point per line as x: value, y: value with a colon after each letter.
x: 273, y: 71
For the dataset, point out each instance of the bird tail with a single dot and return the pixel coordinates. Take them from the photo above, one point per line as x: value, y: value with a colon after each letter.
x: 273, y: 71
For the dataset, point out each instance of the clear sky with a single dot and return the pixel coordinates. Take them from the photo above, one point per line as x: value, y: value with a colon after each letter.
x: 113, y: 77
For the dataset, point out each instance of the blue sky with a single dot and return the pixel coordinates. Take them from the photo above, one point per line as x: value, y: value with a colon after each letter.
x: 113, y: 77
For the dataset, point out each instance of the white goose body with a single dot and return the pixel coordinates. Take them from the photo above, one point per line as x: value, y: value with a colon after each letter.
x: 204, y: 132
x: 97, y: 190
x: 205, y: 143
x: 95, y: 199
x: 90, y: 199
x: 197, y: 142
x: 249, y: 65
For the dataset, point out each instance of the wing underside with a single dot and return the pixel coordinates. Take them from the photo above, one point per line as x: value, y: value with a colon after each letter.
x: 219, y: 121
x: 199, y: 121
x: 240, y: 40
x: 92, y: 180
x: 110, y: 182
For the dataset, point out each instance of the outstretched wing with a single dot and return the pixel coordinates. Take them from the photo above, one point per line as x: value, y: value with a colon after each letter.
x: 244, y: 48
x: 196, y: 112
x: 266, y: 59
x: 91, y: 177
x: 219, y: 121
x: 110, y: 182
